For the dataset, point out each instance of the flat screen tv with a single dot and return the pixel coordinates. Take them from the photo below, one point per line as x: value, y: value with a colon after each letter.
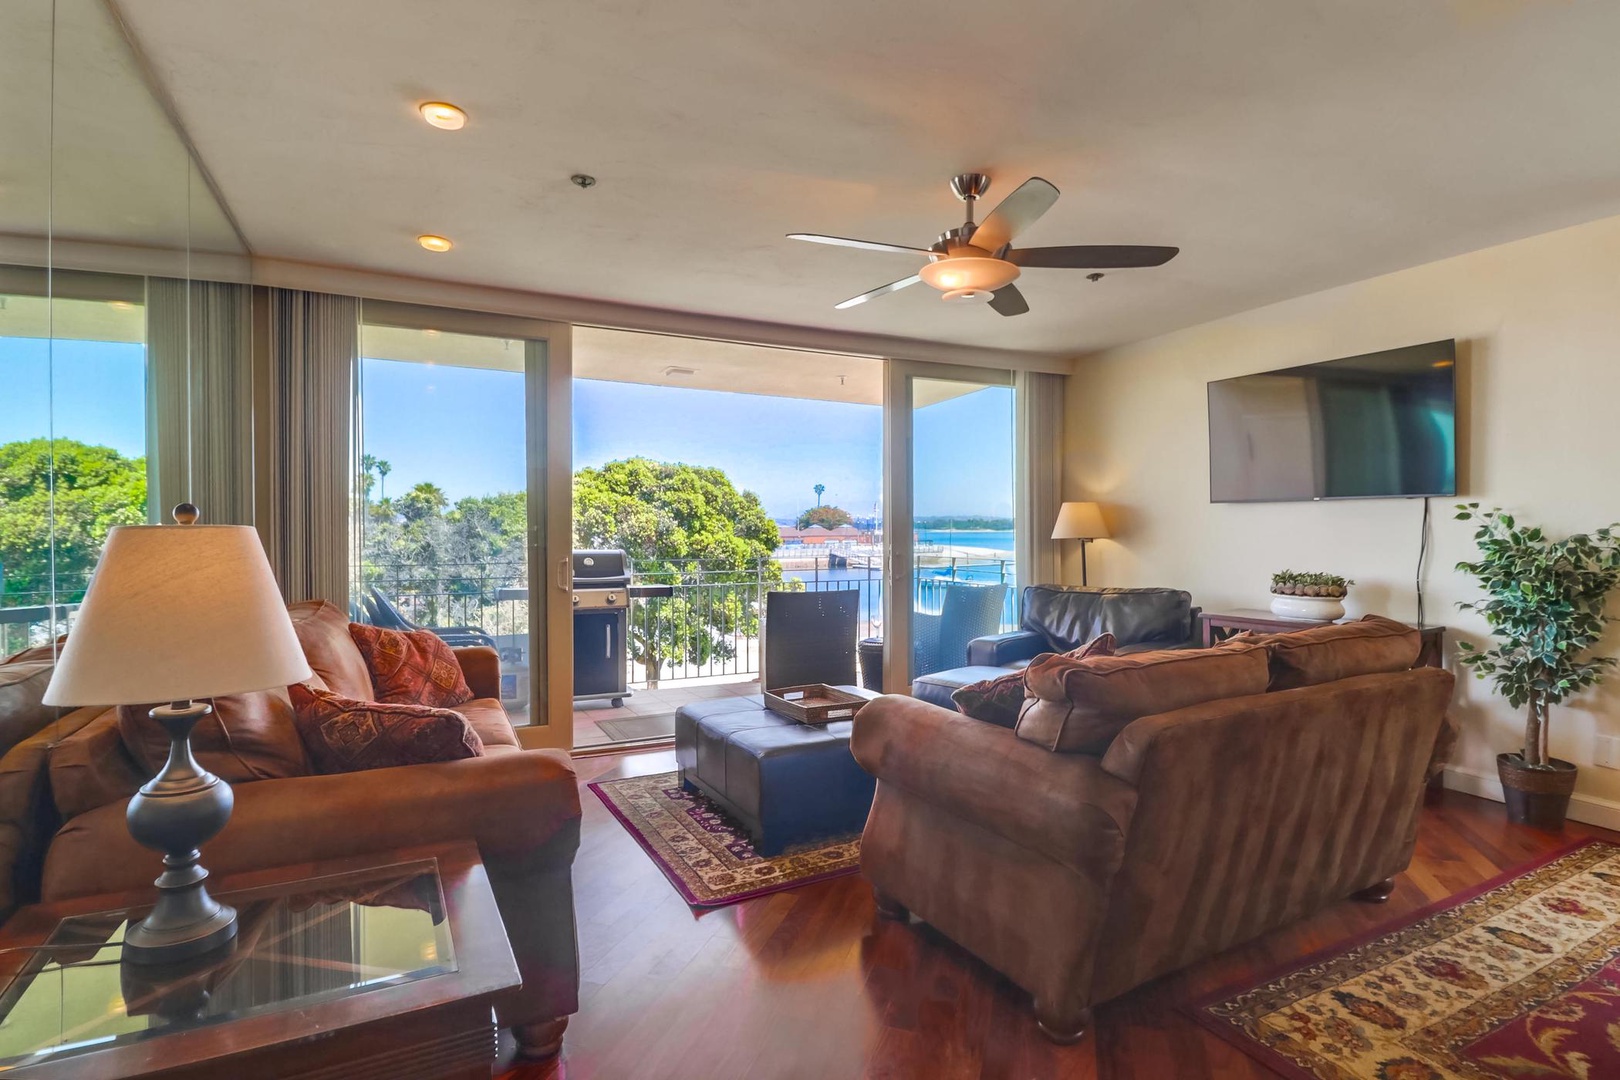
x: 1383, y: 425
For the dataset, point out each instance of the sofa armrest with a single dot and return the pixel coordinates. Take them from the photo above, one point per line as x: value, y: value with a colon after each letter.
x: 520, y: 808
x: 1063, y: 806
x: 999, y: 650
x: 481, y: 665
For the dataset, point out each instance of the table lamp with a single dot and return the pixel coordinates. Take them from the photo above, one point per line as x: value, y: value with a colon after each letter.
x: 178, y: 613
x: 1082, y: 521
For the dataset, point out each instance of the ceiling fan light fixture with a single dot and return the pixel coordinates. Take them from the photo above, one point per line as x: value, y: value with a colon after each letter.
x: 967, y: 296
x: 969, y: 273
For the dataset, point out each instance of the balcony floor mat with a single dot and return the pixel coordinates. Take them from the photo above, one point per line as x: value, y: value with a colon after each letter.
x: 634, y: 728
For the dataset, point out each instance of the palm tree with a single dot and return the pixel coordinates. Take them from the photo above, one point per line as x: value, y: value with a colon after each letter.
x: 383, y: 469
x: 367, y: 463
x: 819, y: 489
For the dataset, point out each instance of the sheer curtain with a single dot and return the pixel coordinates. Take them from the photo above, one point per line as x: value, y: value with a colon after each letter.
x: 304, y: 440
x: 1039, y: 401
x: 200, y: 399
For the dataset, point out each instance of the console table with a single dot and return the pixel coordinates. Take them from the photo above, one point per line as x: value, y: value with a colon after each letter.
x: 1215, y: 627
x: 376, y: 968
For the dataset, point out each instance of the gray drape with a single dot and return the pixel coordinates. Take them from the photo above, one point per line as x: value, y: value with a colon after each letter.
x: 1040, y: 473
x: 199, y: 399
x: 313, y: 345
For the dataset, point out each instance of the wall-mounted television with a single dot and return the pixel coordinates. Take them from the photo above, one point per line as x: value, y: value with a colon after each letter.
x: 1382, y: 425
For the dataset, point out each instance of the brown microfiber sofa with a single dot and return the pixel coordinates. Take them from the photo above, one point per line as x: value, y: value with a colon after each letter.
x: 1178, y: 831
x: 65, y: 785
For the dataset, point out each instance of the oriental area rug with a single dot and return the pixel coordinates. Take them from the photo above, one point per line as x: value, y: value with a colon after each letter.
x: 706, y: 856
x: 1518, y: 979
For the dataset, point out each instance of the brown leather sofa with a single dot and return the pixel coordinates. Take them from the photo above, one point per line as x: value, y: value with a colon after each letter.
x: 1196, y: 827
x: 64, y: 789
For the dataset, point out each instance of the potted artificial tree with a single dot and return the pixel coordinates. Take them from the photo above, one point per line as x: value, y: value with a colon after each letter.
x: 1544, y: 600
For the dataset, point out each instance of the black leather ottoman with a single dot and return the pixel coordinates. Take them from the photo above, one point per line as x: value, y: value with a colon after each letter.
x: 936, y: 688
x: 787, y: 783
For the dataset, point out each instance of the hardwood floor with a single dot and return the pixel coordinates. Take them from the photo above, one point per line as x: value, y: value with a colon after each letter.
x: 811, y: 983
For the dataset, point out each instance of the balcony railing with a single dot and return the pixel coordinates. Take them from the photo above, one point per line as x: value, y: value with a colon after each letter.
x: 708, y: 627
x: 34, y: 617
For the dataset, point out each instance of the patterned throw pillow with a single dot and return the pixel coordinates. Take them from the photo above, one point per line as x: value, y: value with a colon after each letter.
x: 998, y: 701
x: 344, y: 735
x: 411, y: 667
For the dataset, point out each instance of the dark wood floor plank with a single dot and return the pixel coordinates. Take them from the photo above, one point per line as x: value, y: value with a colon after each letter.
x: 811, y: 983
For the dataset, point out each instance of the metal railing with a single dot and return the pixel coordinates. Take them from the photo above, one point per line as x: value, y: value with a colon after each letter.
x: 709, y: 625
x: 35, y: 617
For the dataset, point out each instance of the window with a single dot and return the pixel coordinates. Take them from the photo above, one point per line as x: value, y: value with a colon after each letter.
x: 73, y: 440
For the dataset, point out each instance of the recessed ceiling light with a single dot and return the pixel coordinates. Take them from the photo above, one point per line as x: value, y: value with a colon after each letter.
x: 673, y: 371
x: 121, y: 305
x: 441, y: 114
x: 434, y: 243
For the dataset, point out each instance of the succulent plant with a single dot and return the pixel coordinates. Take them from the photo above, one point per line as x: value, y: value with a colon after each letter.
x: 1314, y: 583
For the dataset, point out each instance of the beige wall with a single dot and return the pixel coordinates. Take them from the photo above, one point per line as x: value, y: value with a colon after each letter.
x: 1538, y: 329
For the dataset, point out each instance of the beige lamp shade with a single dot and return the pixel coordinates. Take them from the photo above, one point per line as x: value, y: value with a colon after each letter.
x: 175, y: 613
x: 1079, y: 521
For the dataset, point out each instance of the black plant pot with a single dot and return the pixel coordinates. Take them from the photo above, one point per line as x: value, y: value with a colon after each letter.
x: 1536, y: 797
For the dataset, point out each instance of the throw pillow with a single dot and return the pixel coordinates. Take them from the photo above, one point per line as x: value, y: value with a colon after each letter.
x: 344, y: 735
x: 247, y: 737
x: 1373, y: 645
x: 999, y: 700
x: 412, y: 667
x: 1081, y: 705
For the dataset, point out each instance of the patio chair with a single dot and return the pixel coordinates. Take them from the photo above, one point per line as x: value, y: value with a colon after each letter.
x: 941, y: 641
x: 380, y: 611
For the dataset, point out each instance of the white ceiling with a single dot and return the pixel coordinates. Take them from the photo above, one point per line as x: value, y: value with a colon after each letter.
x: 1285, y: 145
x: 85, y: 151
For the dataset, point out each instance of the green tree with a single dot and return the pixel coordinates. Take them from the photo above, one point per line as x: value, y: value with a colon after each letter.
x: 819, y: 489
x: 423, y: 501
x: 684, y: 525
x: 95, y: 489
x: 828, y: 517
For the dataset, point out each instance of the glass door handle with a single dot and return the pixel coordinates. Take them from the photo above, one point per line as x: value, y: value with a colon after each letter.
x: 565, y: 573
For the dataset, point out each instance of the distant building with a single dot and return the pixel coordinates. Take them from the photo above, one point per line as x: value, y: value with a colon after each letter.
x: 820, y: 534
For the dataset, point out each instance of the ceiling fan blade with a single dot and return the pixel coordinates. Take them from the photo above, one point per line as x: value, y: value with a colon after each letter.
x: 882, y: 290
x: 865, y: 245
x: 1092, y: 256
x: 1016, y: 213
x: 1007, y: 300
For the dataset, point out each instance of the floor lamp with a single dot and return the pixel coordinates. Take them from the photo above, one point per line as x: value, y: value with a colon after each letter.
x: 1082, y: 521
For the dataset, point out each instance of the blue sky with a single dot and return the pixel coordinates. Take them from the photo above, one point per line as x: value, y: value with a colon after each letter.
x: 462, y: 428
x: 99, y: 392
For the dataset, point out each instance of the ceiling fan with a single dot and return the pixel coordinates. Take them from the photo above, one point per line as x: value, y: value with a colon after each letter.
x: 977, y: 262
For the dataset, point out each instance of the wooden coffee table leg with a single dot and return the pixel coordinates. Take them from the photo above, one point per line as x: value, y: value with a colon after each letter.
x: 540, y: 1040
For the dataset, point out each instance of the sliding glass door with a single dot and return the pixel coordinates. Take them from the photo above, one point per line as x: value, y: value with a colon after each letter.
x: 453, y: 514
x: 950, y: 552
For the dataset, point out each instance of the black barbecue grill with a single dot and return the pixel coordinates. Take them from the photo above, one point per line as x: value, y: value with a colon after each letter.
x: 602, y: 594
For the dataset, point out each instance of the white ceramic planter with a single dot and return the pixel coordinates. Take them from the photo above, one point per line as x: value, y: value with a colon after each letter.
x: 1313, y: 608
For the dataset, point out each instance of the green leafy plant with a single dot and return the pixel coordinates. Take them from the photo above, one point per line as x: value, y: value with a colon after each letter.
x: 1544, y: 599
x: 686, y: 526
x: 1315, y: 583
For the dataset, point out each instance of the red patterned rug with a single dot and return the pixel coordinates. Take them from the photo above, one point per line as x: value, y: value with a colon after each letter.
x: 1516, y: 980
x: 704, y: 854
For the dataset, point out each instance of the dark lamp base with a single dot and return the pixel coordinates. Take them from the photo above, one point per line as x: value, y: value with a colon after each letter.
x: 175, y: 812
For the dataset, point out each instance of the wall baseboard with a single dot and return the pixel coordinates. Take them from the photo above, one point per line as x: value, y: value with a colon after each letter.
x: 1589, y: 809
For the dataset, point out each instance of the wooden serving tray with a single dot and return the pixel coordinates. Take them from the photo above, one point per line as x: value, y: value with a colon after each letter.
x: 813, y: 703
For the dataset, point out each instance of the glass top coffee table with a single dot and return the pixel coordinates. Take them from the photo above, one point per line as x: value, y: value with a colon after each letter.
x: 333, y: 951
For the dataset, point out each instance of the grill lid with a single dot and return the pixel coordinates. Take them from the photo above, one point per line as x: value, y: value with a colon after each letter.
x: 601, y: 569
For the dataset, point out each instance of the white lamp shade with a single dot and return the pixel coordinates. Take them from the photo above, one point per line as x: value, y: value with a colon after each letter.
x: 1079, y: 521
x: 174, y: 613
